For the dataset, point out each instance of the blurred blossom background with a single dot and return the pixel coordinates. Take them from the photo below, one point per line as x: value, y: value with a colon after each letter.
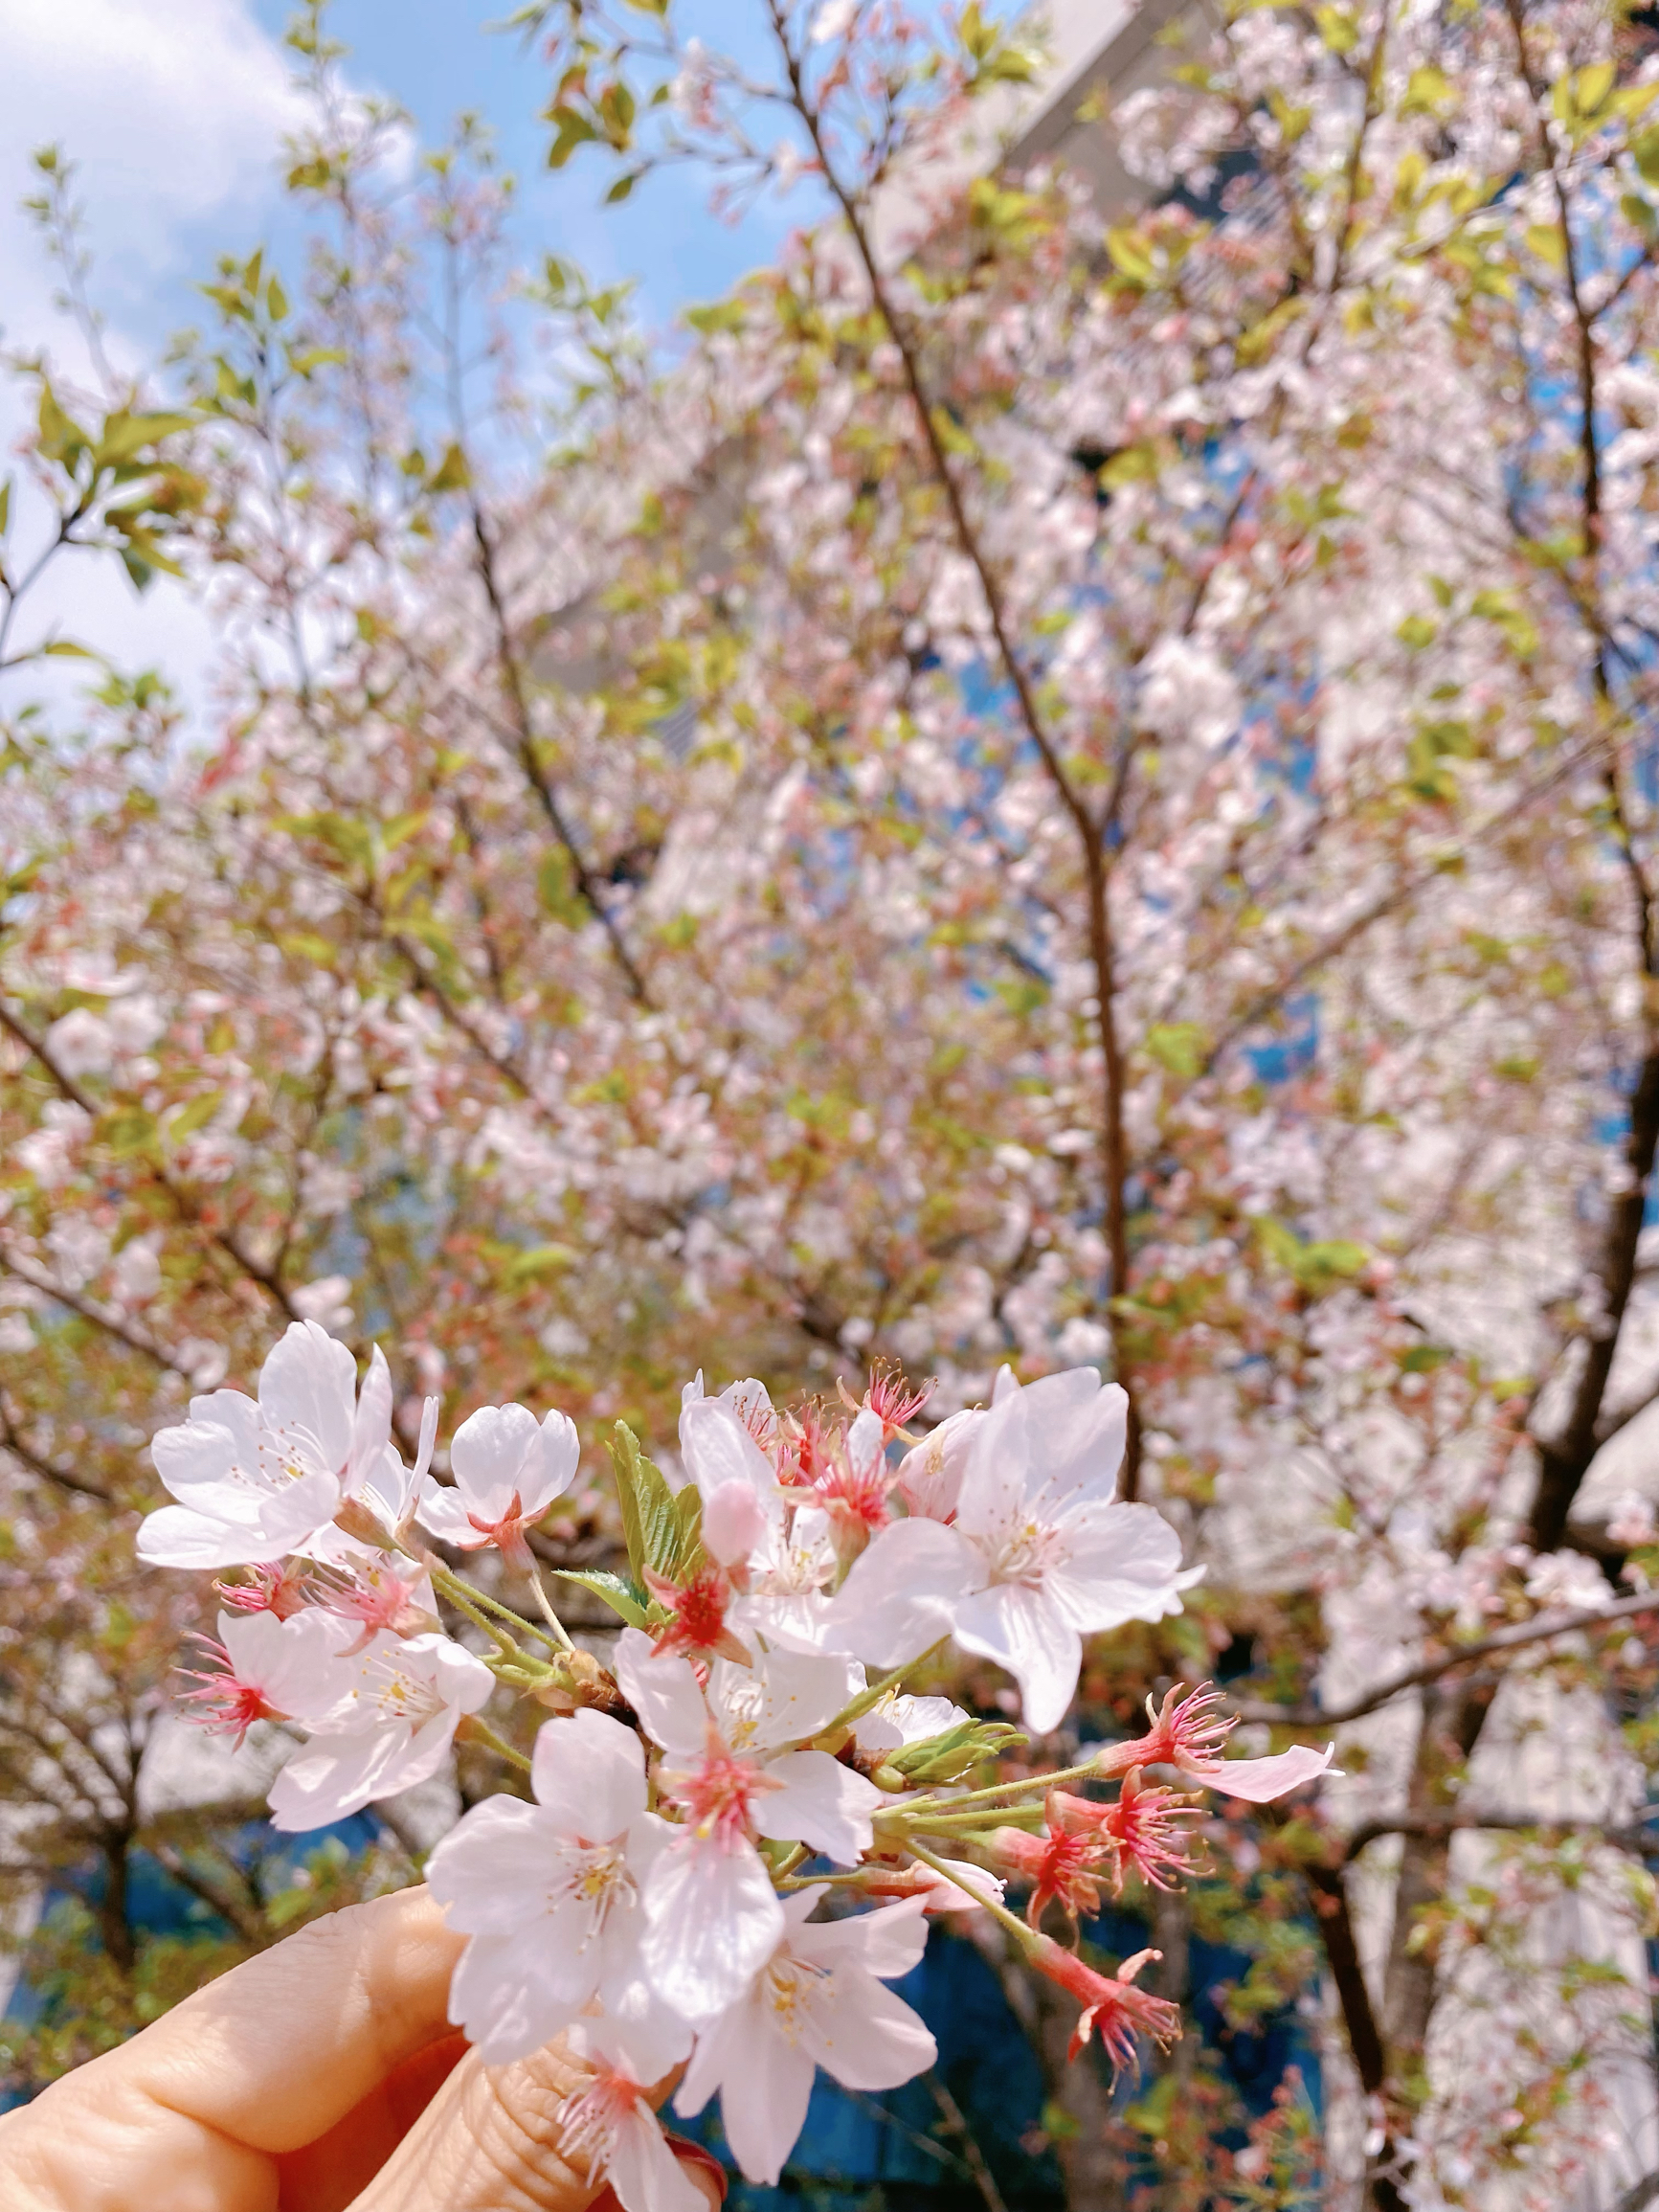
x: 801, y: 689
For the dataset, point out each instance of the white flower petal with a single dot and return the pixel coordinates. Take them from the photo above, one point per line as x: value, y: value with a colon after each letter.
x: 717, y: 1448
x: 308, y: 1389
x: 887, y: 1942
x: 1025, y: 1631
x: 864, y: 2036
x: 371, y: 1426
x: 1115, y: 1563
x: 903, y: 1592
x: 821, y: 1803
x: 488, y: 1457
x: 645, y: 2172
x: 589, y: 1771
x: 1259, y: 1781
x: 763, y: 2094
x: 712, y: 1919
x: 664, y: 1692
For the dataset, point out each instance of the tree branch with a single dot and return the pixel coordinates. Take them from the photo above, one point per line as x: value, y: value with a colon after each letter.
x: 1539, y: 1630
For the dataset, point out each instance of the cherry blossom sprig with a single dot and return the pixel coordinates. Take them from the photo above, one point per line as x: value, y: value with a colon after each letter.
x: 728, y: 1764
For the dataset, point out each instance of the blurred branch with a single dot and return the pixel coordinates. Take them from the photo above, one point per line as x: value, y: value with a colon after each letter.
x: 1539, y: 1630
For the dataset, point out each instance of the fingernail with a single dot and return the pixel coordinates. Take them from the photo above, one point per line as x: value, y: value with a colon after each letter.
x: 697, y: 2155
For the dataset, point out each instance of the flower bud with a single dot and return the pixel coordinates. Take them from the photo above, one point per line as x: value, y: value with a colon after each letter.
x: 733, y: 1523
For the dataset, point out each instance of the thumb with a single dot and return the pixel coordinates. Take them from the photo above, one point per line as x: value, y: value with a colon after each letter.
x: 493, y: 2140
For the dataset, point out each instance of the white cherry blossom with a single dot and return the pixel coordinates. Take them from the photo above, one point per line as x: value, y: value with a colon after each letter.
x: 818, y: 2001
x: 1036, y: 1556
x: 781, y: 1540
x: 265, y: 1668
x: 256, y: 1480
x: 611, y: 2127
x: 380, y: 1722
x: 508, y: 1468
x: 550, y: 1893
x: 711, y: 1914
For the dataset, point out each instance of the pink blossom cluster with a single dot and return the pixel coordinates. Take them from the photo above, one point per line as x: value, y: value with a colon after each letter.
x: 728, y: 1767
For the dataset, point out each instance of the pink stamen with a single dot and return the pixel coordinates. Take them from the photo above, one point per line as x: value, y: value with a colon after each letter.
x: 277, y: 1589
x: 1110, y: 2003
x: 717, y: 1796
x: 221, y: 1702
x: 697, y: 1625
x: 1142, y: 1830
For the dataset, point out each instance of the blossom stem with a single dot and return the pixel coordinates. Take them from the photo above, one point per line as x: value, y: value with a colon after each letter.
x: 954, y: 1875
x: 463, y: 1597
x: 1033, y: 1785
x: 560, y: 1631
x: 458, y: 1587
x: 474, y: 1730
x: 907, y: 1818
x: 871, y: 1696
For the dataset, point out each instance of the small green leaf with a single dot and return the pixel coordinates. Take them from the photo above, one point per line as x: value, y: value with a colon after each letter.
x: 200, y: 1112
x: 452, y: 473
x: 537, y: 1264
x: 650, y: 1522
x: 1177, y: 1046
x: 622, y: 1597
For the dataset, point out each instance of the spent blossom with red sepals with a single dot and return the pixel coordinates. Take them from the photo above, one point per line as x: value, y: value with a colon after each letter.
x: 1062, y: 1864
x: 1142, y: 1828
x: 1112, y: 2007
x: 282, y: 1589
x: 696, y: 1626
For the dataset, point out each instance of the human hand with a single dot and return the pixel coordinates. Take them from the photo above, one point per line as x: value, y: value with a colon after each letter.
x: 323, y: 2076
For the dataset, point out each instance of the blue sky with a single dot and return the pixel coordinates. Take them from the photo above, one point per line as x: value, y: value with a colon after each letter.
x: 438, y: 56
x: 175, y: 111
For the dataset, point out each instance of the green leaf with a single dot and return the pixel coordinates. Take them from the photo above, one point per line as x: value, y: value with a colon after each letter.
x: 537, y: 1264
x: 622, y: 1597
x: 1338, y: 28
x: 125, y: 435
x: 5, y: 505
x: 1645, y: 153
x: 721, y: 315
x: 61, y: 438
x: 306, y: 945
x: 688, y: 1512
x: 66, y: 649
x: 1131, y: 256
x: 1179, y: 1047
x: 277, y: 301
x: 650, y: 1522
x: 452, y: 473
x: 196, y: 1115
x: 1428, y: 91
x: 127, y: 1131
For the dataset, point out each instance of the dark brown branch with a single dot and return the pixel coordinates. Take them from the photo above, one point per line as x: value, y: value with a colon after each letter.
x: 1538, y: 1631
x: 512, y: 682
x: 1336, y: 1923
x: 1089, y: 837
x: 187, y: 1210
x: 36, y: 1462
x: 121, y: 1331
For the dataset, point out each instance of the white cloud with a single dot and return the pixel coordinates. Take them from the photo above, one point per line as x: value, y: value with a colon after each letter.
x: 175, y: 111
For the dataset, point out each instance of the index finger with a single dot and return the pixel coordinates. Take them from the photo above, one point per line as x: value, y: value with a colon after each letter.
x: 285, y: 2045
